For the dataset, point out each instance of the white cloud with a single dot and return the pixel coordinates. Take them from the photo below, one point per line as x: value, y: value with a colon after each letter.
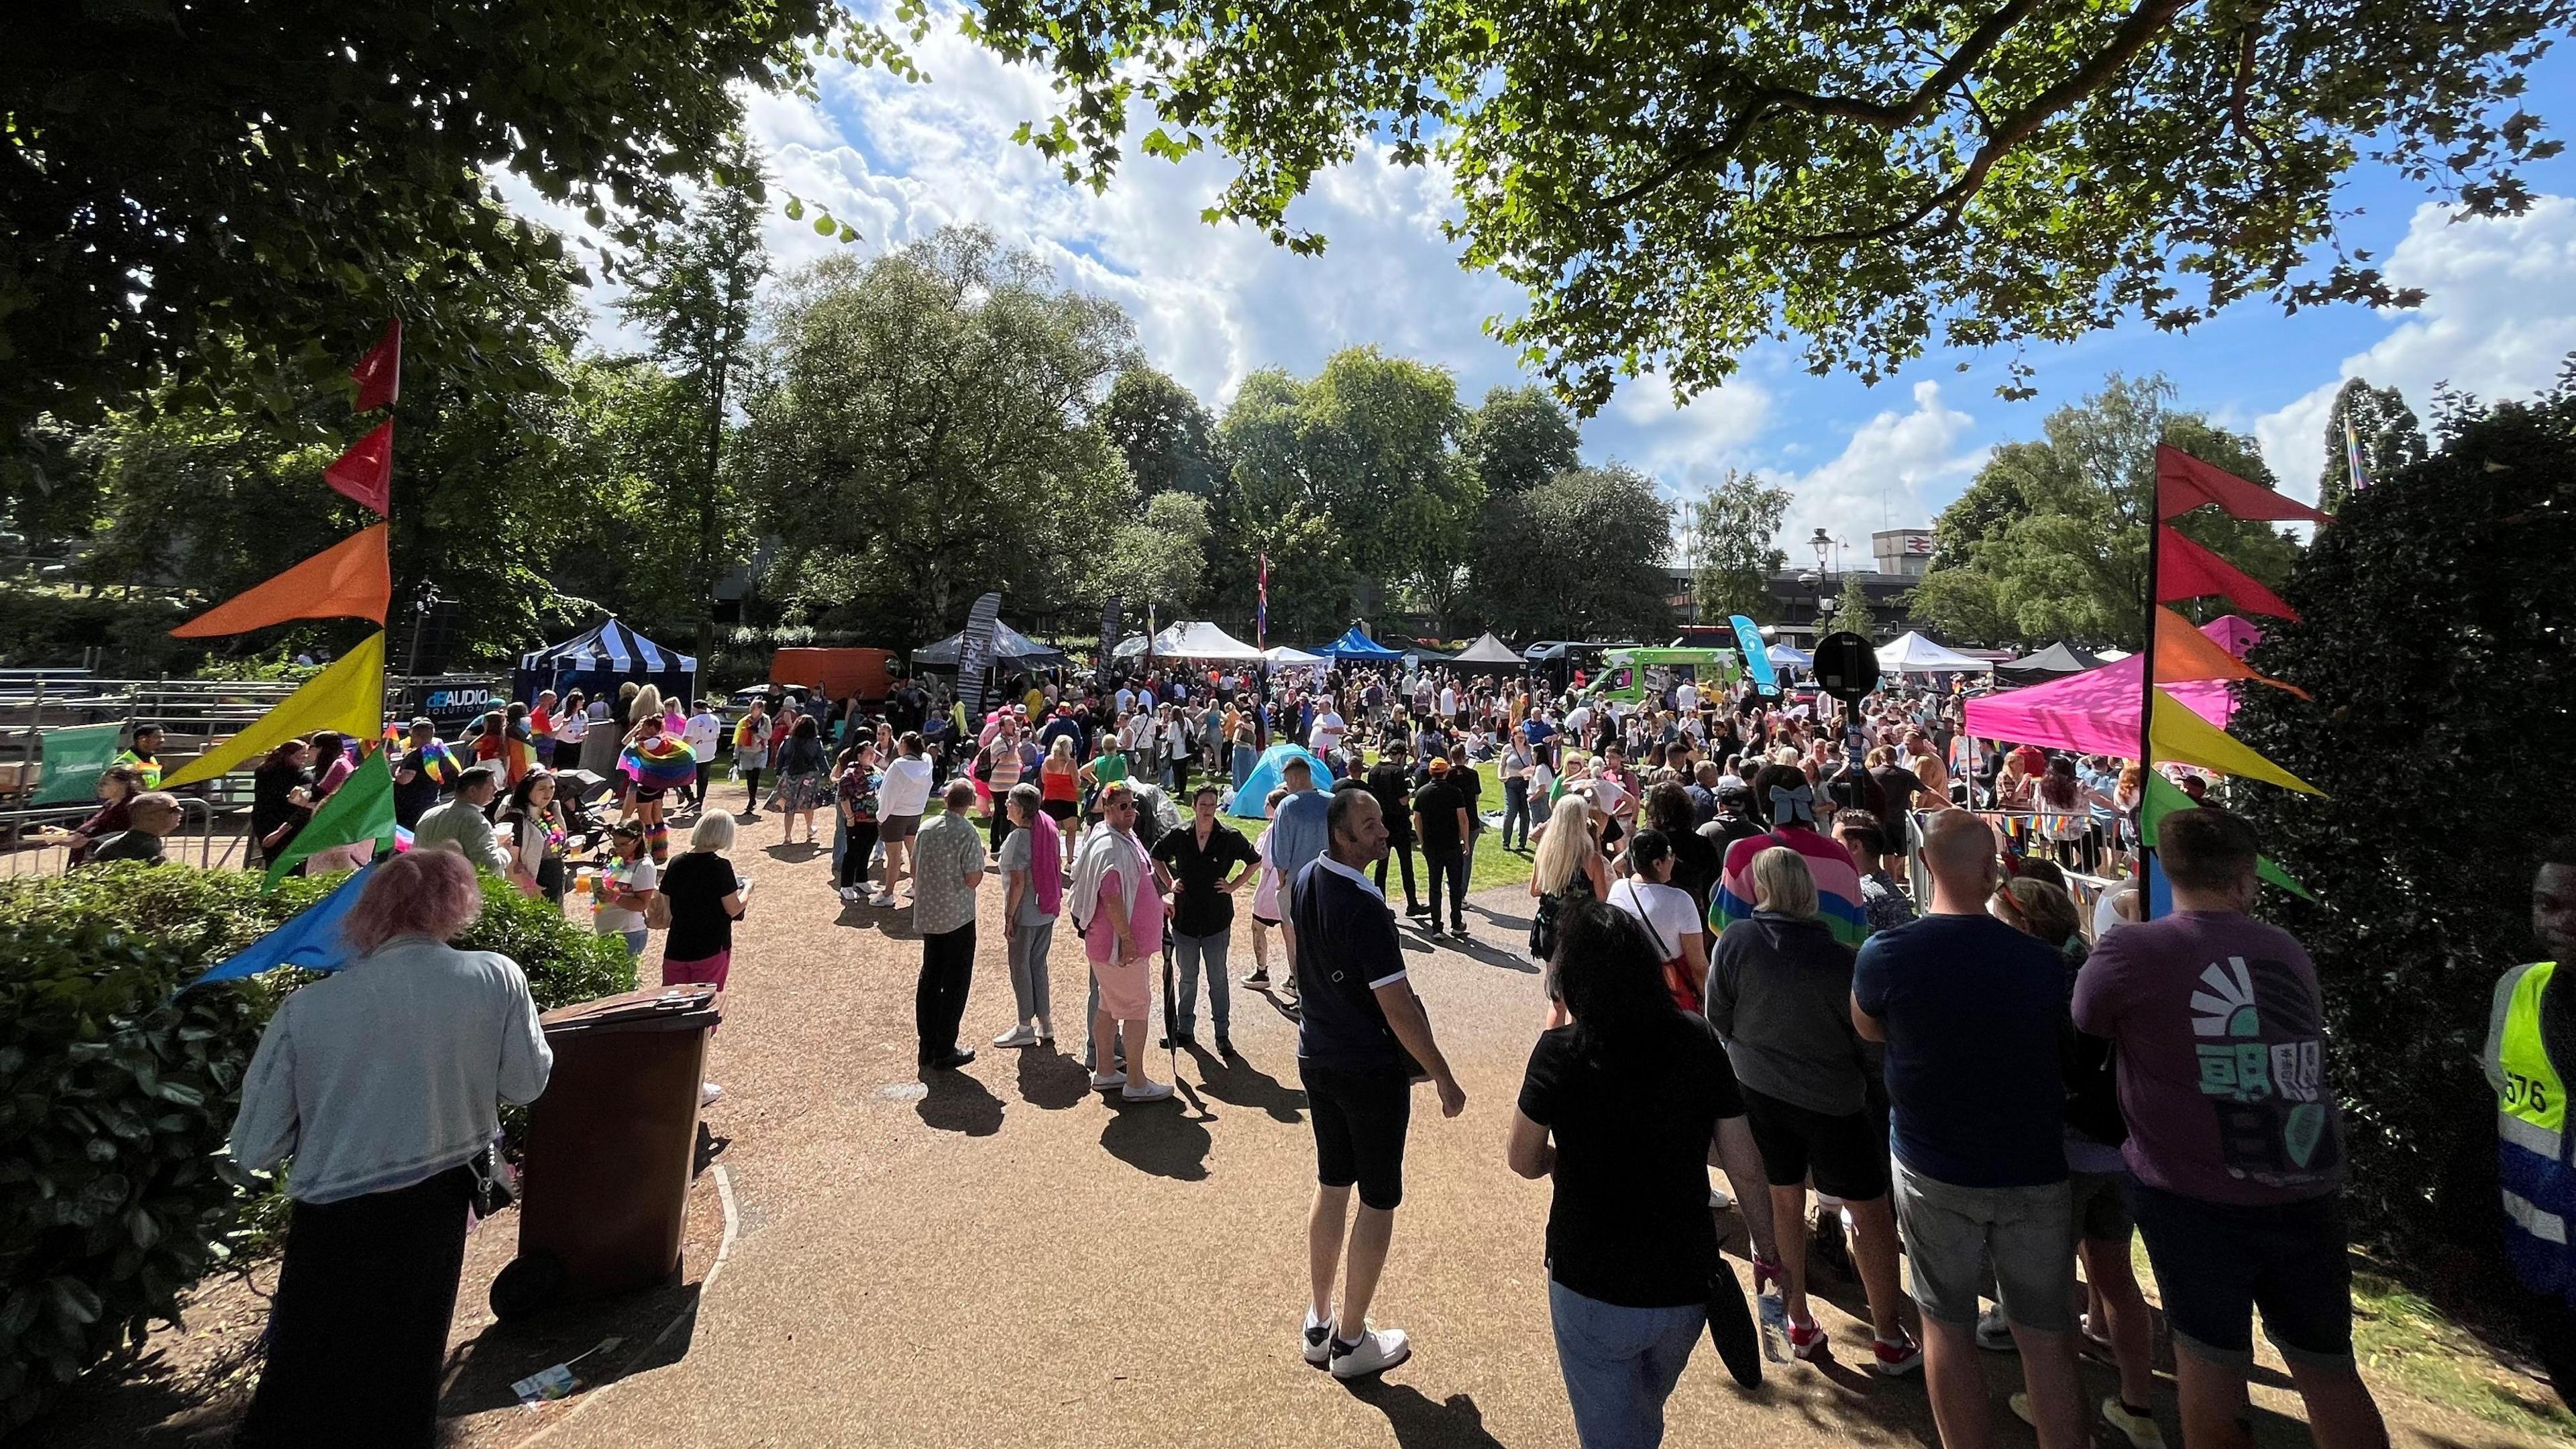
x: 2497, y: 316
x: 1885, y: 477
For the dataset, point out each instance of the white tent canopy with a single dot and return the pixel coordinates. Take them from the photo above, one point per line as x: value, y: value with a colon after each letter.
x: 1911, y: 653
x: 1283, y: 657
x: 1193, y: 640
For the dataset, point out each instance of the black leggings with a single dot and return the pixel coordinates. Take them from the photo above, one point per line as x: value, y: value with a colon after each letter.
x: 862, y: 843
x: 751, y: 777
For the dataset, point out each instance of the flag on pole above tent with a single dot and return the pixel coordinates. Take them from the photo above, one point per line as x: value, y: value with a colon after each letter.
x: 2181, y: 736
x: 2185, y: 654
x: 348, y: 697
x: 2188, y: 571
x: 352, y: 579
x: 2356, y: 473
x: 361, y: 809
x: 365, y: 473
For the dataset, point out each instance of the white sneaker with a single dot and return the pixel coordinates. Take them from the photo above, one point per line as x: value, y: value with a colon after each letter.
x: 1319, y: 1341
x: 1994, y: 1332
x: 709, y: 1094
x: 1717, y: 1198
x: 1103, y: 1081
x: 1018, y: 1036
x: 1378, y: 1350
x: 882, y: 901
x: 849, y: 895
x: 1150, y: 1092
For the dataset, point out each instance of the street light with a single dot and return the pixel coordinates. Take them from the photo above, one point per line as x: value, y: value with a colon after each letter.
x: 1814, y: 582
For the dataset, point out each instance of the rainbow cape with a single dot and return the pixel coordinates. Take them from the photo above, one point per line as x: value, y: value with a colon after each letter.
x: 659, y: 762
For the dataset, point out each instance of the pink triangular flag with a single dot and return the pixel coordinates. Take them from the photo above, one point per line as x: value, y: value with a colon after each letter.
x: 379, y: 373
x: 366, y: 472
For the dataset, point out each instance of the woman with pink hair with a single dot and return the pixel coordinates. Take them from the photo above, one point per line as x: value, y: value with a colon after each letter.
x: 381, y: 1082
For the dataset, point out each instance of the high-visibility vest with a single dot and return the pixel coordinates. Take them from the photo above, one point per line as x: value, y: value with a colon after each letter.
x: 2533, y: 1162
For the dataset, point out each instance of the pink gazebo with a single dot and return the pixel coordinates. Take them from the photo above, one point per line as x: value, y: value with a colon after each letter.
x: 2096, y: 712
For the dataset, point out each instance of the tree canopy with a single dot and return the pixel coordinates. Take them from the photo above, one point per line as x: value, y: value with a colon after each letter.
x: 2050, y: 540
x: 1164, y: 433
x: 1519, y: 438
x: 1580, y: 555
x: 1672, y: 182
x: 2382, y: 425
x: 1730, y: 552
x: 234, y: 196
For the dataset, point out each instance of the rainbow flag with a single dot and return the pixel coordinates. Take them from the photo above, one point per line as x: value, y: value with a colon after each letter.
x: 659, y: 762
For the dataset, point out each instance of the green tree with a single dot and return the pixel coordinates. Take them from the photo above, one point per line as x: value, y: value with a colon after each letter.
x: 2382, y: 424
x: 2429, y: 590
x: 693, y: 294
x: 1580, y: 554
x: 1730, y: 553
x: 1161, y: 559
x: 237, y: 196
x: 2050, y: 541
x: 928, y: 430
x: 1670, y: 183
x: 1164, y: 433
x: 1851, y: 611
x: 1367, y: 445
x: 1519, y: 438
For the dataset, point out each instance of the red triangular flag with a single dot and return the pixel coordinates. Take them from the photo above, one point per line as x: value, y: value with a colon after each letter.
x: 2185, y: 570
x: 2184, y: 483
x: 366, y: 472
x: 379, y: 373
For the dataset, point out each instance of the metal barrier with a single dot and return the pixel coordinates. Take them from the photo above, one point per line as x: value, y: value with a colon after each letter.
x: 23, y: 854
x: 2082, y: 859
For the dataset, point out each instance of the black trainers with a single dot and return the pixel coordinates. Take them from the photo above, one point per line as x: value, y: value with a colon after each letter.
x: 1225, y: 1047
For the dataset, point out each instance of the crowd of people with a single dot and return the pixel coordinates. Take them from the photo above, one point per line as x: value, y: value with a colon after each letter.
x: 1836, y: 954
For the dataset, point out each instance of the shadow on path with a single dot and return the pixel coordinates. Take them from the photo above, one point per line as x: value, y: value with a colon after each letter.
x: 1420, y: 1423
x: 1157, y: 1138
x: 1242, y: 1084
x: 959, y: 1103
x: 1052, y: 1081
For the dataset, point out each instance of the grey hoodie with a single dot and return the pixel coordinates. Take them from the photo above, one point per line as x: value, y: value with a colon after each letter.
x: 1779, y: 994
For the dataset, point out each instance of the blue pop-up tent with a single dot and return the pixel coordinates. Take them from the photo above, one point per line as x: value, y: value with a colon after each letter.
x: 1264, y: 778
x: 1355, y: 645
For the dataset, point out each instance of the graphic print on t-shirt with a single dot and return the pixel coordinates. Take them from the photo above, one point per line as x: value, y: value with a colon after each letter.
x: 2261, y: 1052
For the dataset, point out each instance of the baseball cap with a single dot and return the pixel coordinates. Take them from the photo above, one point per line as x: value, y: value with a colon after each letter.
x: 1439, y: 766
x: 423, y: 722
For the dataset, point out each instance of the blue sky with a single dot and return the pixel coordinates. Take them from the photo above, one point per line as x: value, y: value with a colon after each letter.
x: 1212, y: 303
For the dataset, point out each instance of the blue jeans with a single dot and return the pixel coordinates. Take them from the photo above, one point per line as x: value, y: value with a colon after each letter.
x: 1186, y: 954
x: 1620, y: 1364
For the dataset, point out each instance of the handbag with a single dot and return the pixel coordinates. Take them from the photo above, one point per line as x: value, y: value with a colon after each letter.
x: 657, y: 912
x: 1730, y: 1328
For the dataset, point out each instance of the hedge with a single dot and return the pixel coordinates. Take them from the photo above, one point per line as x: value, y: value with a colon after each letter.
x: 40, y: 627
x: 117, y: 1093
x: 2438, y: 636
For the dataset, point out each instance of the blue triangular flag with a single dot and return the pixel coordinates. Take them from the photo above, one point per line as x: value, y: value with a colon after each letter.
x: 310, y: 939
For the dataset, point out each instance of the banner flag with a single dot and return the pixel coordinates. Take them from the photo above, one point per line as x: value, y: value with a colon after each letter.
x: 2352, y: 461
x: 365, y: 473
x: 975, y: 659
x: 1261, y: 614
x: 2188, y: 571
x: 352, y: 579
x: 1108, y: 637
x: 348, y: 697
x: 310, y: 939
x: 74, y: 759
x: 361, y: 809
x: 2185, y: 738
x: 2184, y: 483
x: 2184, y: 654
x: 1757, y: 656
x: 2164, y: 797
x: 379, y: 373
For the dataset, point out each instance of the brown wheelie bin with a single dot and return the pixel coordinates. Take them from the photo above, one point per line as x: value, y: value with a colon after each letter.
x: 604, y: 1180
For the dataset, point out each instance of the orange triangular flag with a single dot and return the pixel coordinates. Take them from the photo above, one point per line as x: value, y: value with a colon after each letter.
x: 2184, y: 653
x: 352, y: 579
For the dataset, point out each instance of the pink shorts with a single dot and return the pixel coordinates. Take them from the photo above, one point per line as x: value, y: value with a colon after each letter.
x: 1126, y: 987
x: 712, y: 970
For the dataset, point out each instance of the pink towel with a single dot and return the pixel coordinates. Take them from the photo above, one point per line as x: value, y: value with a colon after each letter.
x: 1046, y: 864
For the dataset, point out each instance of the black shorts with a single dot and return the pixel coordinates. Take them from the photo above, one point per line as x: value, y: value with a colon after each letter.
x: 1847, y: 1155
x: 1060, y: 809
x: 2217, y: 1262
x: 1360, y: 1119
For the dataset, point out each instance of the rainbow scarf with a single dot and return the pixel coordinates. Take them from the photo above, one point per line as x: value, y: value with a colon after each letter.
x: 659, y: 762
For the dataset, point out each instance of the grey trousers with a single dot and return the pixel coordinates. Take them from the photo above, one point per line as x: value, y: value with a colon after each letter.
x: 1028, y: 956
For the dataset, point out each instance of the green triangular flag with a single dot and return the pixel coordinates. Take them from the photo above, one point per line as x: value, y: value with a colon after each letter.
x: 74, y: 759
x: 2164, y: 797
x: 361, y: 809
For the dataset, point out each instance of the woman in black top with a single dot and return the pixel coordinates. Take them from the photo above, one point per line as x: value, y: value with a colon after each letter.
x: 1619, y: 1107
x: 706, y: 899
x: 281, y: 798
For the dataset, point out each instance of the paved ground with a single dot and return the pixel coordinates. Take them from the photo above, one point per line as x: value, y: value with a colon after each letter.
x: 1000, y: 1255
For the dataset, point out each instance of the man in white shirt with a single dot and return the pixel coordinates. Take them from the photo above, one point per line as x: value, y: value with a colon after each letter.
x: 1449, y: 701
x: 1126, y: 699
x: 1326, y: 737
x: 702, y: 733
x: 901, y: 799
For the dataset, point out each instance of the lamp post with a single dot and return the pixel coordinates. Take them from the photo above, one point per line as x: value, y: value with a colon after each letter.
x: 1814, y: 582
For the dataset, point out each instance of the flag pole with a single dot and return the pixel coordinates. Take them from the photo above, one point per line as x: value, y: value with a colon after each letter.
x: 2147, y: 688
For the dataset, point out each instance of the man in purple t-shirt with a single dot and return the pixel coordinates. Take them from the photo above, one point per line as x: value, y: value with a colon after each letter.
x: 2220, y: 1034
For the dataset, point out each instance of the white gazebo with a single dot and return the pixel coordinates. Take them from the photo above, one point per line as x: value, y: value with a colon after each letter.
x: 1193, y: 640
x: 1911, y: 653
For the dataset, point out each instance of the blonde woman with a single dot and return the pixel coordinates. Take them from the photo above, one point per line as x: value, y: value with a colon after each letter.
x: 1568, y: 866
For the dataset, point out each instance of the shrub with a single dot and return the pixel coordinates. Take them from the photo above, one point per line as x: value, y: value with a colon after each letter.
x: 46, y: 627
x: 116, y: 1096
x: 2439, y: 638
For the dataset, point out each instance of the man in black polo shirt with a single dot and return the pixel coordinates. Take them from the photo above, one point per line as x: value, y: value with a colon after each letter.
x: 1440, y: 818
x: 1360, y: 1038
x: 1201, y: 864
x: 1392, y: 784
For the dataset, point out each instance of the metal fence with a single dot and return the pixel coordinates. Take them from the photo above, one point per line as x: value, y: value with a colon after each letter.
x: 2085, y: 858
x: 23, y: 852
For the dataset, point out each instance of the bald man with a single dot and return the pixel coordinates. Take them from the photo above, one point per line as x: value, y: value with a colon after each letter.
x: 1970, y: 1010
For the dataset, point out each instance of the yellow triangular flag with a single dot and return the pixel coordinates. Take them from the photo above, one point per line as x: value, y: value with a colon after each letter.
x: 348, y: 697
x: 2184, y: 737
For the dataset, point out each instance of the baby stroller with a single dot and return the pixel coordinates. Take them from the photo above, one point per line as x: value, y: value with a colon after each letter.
x: 581, y: 794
